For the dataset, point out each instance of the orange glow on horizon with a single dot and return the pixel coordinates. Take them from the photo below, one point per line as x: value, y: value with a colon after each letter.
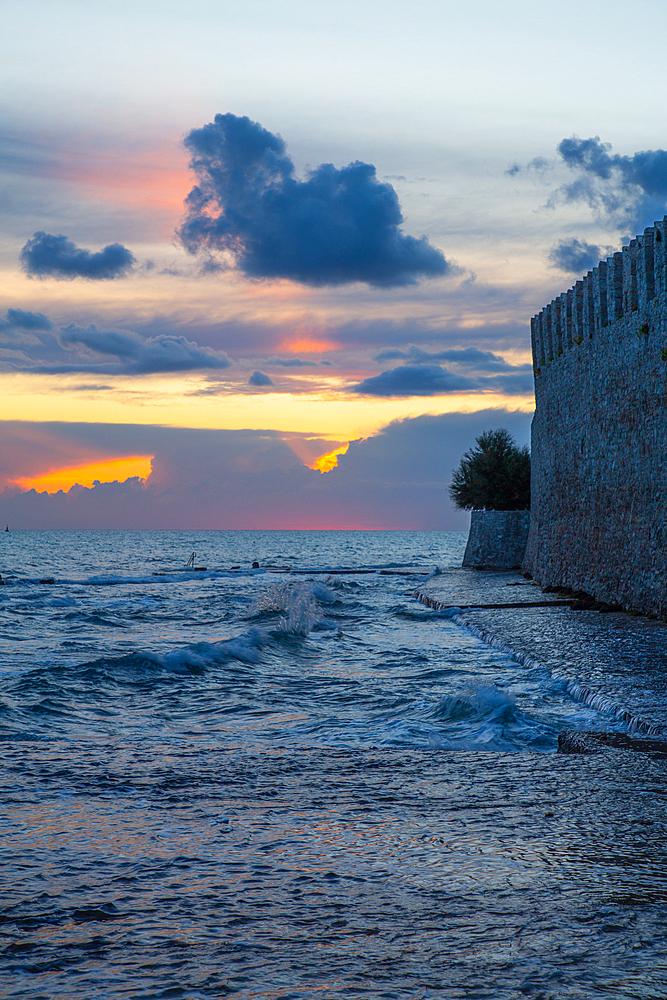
x: 109, y: 471
x: 325, y: 463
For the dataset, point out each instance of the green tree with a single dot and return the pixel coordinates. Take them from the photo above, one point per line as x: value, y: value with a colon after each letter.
x: 494, y: 475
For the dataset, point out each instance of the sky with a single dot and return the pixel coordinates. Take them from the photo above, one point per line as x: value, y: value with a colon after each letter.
x: 273, y: 265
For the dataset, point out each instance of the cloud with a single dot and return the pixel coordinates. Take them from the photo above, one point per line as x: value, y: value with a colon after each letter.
x: 379, y: 334
x: 539, y: 164
x: 132, y: 353
x: 293, y: 363
x: 22, y: 320
x: 398, y: 478
x: 261, y: 335
x: 414, y: 380
x: 335, y: 227
x: 89, y: 387
x: 142, y: 355
x: 494, y: 374
x: 259, y: 378
x: 646, y: 169
x: 466, y: 357
x: 575, y: 256
x: 623, y: 191
x: 520, y: 382
x: 47, y: 256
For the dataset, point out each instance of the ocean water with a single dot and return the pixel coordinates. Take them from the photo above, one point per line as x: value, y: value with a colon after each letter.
x: 295, y: 781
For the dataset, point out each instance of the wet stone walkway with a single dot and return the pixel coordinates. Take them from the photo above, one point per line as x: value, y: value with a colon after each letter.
x: 614, y: 661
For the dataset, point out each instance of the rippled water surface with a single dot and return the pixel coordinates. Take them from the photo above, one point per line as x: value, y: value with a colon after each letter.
x: 259, y: 783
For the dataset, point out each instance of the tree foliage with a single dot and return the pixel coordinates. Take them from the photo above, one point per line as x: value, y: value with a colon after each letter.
x: 494, y: 475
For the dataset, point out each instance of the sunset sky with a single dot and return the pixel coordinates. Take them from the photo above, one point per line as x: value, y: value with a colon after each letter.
x: 237, y: 238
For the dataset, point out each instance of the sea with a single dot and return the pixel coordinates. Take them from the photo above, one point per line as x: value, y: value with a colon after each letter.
x: 292, y: 780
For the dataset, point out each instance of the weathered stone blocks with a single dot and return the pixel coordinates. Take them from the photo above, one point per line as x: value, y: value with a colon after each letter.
x: 599, y: 437
x: 497, y: 539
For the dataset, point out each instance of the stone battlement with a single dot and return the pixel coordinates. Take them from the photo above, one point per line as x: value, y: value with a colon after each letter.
x: 624, y: 284
x: 599, y: 435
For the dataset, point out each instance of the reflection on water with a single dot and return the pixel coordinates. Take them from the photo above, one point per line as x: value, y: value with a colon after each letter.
x: 237, y: 785
x: 341, y: 873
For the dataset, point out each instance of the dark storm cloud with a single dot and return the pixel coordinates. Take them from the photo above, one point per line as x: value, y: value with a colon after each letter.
x: 20, y: 319
x: 337, y: 226
x: 414, y: 380
x: 47, y: 256
x: 259, y: 378
x: 575, y: 256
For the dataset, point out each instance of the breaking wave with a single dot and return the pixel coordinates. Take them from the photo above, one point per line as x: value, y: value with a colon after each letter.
x: 299, y: 603
x: 579, y: 692
x: 194, y: 658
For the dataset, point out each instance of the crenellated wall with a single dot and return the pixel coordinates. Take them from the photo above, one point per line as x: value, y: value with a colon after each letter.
x: 599, y: 435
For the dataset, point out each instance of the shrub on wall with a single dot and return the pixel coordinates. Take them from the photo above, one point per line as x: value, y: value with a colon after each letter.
x: 494, y: 475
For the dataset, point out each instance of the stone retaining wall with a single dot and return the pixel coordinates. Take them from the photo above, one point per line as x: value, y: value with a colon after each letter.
x: 497, y: 539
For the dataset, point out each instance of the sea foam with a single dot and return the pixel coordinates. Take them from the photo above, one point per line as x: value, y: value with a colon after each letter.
x: 298, y: 601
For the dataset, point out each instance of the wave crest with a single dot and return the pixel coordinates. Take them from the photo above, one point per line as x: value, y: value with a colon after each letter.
x: 298, y: 602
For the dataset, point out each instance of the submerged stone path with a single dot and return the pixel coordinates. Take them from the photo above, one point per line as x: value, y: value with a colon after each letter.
x: 615, y: 662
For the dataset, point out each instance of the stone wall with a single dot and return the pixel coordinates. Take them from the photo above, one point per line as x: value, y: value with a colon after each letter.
x: 599, y: 436
x: 497, y: 539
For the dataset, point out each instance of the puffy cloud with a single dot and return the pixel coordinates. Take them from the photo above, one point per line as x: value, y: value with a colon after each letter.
x: 259, y: 378
x: 414, y: 380
x: 646, y: 169
x: 132, y: 353
x: 623, y: 191
x: 47, y: 256
x: 140, y: 355
x: 335, y: 227
x: 627, y: 191
x: 575, y: 256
